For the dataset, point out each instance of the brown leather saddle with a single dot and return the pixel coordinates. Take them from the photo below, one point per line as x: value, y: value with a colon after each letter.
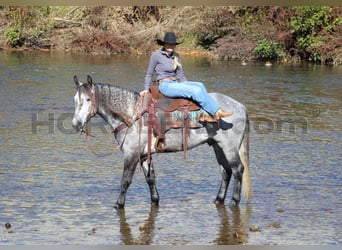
x: 161, y: 117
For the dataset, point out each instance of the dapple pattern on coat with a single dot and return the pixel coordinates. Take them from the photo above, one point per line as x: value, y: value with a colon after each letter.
x: 120, y: 107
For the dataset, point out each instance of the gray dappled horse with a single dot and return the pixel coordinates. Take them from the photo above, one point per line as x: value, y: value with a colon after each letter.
x: 120, y: 108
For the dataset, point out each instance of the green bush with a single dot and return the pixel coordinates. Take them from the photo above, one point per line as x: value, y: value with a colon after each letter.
x: 310, y: 27
x: 268, y: 50
x: 307, y: 22
x: 12, y: 35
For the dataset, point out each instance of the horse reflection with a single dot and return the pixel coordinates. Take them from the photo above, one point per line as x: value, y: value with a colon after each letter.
x: 233, y: 231
x: 147, y: 230
x: 232, y: 228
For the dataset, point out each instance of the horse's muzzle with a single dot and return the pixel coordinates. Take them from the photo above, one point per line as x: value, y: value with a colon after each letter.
x: 76, y: 124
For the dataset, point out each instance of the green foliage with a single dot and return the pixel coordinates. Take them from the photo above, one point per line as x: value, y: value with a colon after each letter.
x: 268, y: 50
x: 190, y: 39
x: 12, y: 35
x: 313, y: 29
x: 307, y: 22
x: 337, y: 21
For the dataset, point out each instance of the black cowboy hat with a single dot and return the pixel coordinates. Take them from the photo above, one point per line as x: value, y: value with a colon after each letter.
x: 169, y: 37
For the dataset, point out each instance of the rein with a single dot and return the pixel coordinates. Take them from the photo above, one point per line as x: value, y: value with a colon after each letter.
x: 90, y: 146
x: 117, y: 130
x: 94, y: 108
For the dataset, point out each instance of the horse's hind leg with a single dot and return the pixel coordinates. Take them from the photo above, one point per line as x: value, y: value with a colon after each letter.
x: 237, y: 172
x: 151, y: 181
x: 130, y: 165
x: 226, y: 173
x: 226, y: 176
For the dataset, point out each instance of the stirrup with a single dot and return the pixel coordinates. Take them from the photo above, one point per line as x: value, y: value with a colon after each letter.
x: 160, y: 144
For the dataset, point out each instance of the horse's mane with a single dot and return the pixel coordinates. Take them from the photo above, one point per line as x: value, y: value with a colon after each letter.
x: 120, y: 88
x: 118, y: 100
x: 116, y: 92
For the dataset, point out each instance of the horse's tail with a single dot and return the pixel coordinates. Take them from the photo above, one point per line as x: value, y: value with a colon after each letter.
x: 244, y: 157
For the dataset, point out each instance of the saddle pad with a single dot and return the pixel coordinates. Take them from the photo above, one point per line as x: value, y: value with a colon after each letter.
x: 193, y: 116
x: 175, y: 119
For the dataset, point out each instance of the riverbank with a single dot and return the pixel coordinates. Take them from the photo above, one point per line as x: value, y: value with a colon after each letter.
x: 291, y: 34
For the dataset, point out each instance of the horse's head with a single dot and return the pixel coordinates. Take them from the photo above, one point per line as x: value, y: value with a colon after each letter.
x: 85, y: 103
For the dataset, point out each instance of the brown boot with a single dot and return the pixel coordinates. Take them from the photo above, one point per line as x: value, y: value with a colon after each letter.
x: 218, y: 115
x: 221, y: 113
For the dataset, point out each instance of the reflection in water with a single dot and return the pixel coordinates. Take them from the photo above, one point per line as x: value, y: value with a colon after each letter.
x: 233, y: 230
x: 232, y: 227
x: 146, y: 230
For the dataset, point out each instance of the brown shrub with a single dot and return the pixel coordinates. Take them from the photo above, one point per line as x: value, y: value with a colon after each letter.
x: 235, y: 47
x: 98, y: 42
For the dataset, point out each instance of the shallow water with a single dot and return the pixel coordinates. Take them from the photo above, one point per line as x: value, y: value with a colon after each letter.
x: 55, y: 191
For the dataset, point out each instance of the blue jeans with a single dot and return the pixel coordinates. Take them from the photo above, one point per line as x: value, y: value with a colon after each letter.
x: 193, y: 90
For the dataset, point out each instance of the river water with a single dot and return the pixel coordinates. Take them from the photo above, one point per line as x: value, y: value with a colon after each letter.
x: 55, y: 191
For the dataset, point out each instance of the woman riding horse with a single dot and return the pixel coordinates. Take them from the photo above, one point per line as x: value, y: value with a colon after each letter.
x: 166, y: 63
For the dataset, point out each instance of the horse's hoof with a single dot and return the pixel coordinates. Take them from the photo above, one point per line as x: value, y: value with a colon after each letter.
x: 155, y: 202
x: 119, y: 206
x: 233, y: 203
x: 219, y: 202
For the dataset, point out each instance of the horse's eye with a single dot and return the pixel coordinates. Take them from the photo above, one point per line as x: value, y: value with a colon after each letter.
x: 88, y: 99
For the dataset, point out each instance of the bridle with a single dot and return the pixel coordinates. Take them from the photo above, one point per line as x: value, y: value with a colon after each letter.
x: 118, y: 129
x: 115, y: 149
x: 94, y: 109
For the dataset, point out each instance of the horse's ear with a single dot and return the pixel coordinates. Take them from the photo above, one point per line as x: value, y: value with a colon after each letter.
x: 77, y: 82
x: 89, y: 81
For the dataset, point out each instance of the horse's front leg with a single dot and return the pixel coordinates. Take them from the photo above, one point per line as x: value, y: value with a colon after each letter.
x: 151, y: 181
x: 130, y: 164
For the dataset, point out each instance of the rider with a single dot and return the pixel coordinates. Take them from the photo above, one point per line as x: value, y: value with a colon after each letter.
x: 167, y: 65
